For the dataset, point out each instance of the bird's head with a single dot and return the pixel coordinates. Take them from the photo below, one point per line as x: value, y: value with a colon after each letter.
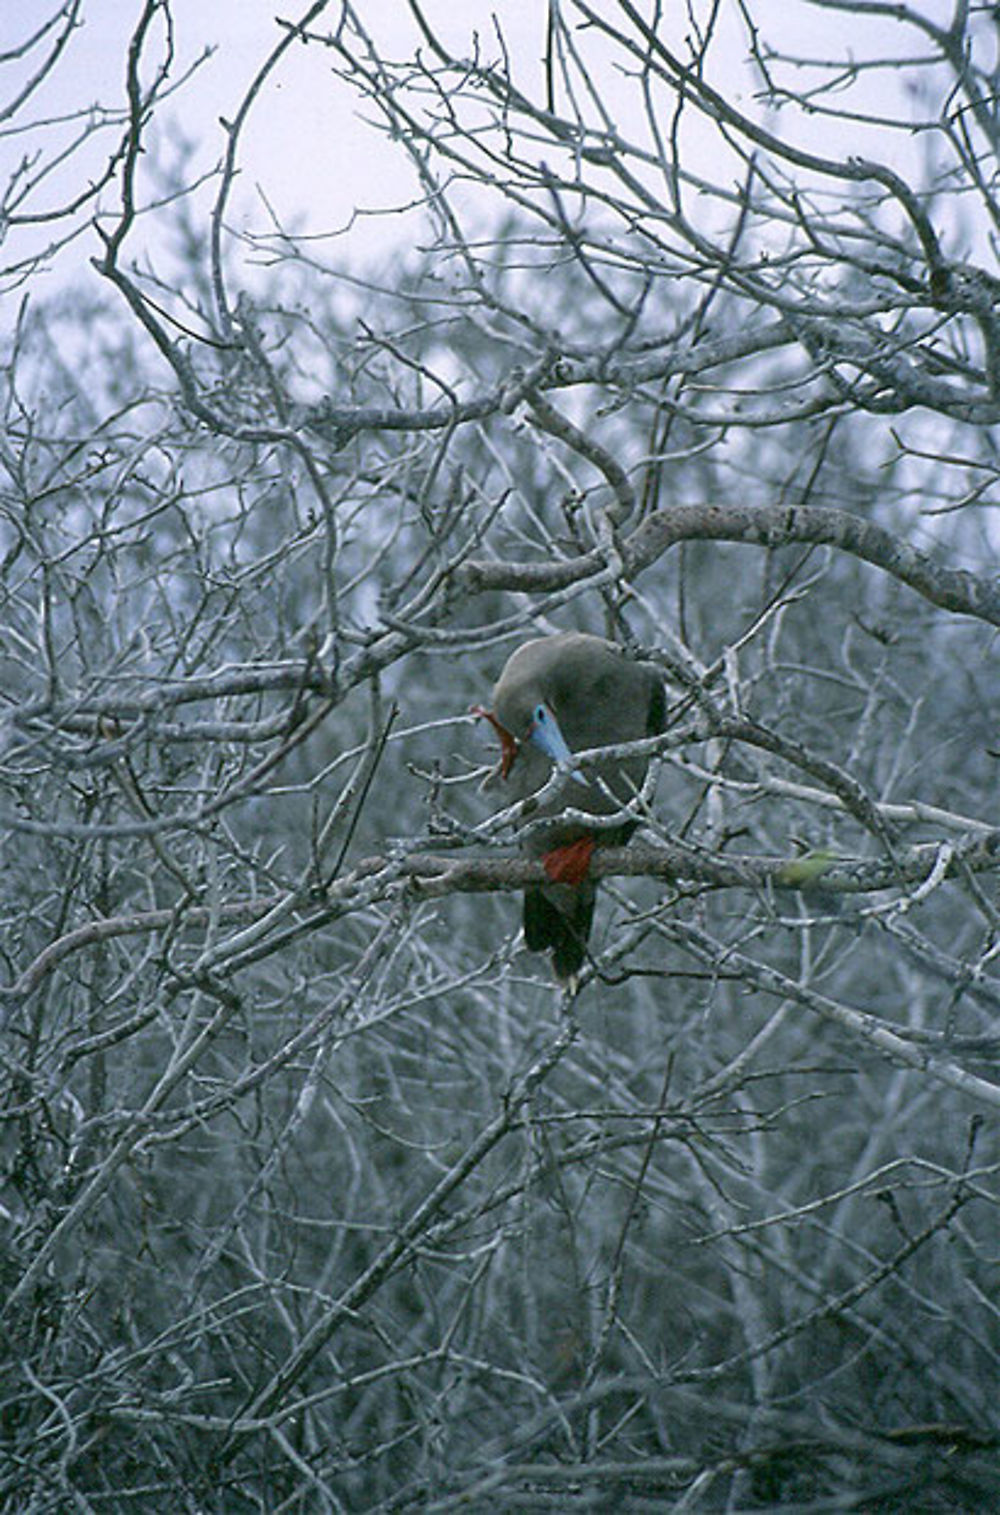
x: 532, y: 721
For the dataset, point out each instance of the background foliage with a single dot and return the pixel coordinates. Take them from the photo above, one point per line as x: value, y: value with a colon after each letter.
x: 317, y: 1193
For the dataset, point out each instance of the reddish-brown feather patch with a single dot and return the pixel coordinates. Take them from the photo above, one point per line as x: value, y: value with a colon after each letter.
x: 569, y: 864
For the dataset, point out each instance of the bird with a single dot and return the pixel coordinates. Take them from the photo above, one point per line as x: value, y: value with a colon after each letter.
x: 558, y: 695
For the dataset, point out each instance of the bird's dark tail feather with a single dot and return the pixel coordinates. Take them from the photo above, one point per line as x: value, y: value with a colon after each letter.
x: 557, y: 919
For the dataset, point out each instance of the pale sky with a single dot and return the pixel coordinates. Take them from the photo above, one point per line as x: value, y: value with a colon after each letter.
x: 305, y: 147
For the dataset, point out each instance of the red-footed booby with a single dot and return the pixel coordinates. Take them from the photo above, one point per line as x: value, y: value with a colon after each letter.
x: 556, y: 696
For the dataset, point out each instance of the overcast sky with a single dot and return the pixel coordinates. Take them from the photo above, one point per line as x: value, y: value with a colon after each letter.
x: 306, y: 148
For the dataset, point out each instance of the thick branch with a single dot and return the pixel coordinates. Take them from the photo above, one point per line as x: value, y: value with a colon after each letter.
x: 434, y: 875
x: 955, y: 589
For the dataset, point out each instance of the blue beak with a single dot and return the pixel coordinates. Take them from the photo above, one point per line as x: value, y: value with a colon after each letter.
x: 545, y: 733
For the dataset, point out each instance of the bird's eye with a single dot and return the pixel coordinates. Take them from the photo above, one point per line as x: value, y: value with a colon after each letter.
x: 540, y: 714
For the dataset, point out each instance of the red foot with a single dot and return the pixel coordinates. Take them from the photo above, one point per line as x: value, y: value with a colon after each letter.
x: 569, y: 864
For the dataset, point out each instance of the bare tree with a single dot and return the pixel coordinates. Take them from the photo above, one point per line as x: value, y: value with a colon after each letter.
x: 318, y: 1193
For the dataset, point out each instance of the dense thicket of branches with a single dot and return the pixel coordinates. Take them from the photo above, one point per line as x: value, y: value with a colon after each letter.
x: 318, y: 1193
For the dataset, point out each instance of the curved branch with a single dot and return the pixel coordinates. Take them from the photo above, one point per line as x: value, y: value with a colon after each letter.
x: 856, y: 170
x: 956, y: 589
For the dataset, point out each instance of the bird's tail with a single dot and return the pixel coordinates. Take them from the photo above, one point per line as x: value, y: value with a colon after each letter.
x: 557, y: 919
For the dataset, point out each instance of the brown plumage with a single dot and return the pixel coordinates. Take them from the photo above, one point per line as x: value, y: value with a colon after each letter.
x: 556, y: 696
